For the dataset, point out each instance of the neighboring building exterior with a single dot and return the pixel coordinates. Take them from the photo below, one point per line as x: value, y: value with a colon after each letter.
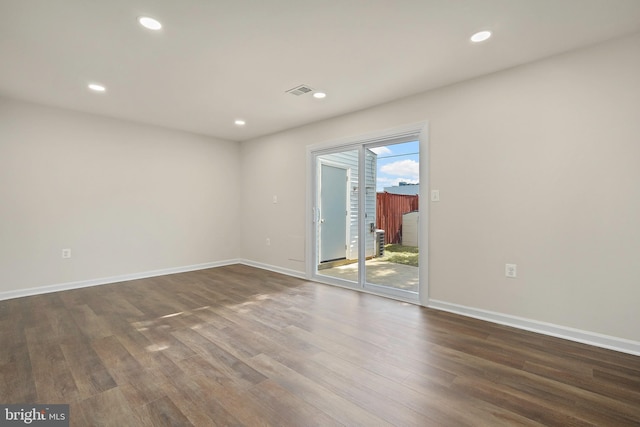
x: 348, y: 160
x: 404, y: 188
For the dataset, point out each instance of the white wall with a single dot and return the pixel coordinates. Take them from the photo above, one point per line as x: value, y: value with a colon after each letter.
x: 126, y: 198
x: 537, y: 166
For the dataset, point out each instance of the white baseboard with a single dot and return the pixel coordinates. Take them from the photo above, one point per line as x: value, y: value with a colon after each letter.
x: 585, y: 337
x: 113, y: 279
x: 276, y: 269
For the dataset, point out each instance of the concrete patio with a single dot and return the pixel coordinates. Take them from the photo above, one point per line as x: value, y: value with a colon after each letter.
x: 379, y: 272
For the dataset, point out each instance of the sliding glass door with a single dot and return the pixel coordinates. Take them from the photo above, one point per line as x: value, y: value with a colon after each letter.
x: 336, y: 225
x: 393, y: 213
x: 366, y: 216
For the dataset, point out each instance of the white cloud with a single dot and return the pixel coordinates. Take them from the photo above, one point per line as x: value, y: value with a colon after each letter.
x: 408, y: 170
x: 381, y: 150
x: 385, y: 181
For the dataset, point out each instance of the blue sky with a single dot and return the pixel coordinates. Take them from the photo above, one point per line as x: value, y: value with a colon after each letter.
x: 396, y: 163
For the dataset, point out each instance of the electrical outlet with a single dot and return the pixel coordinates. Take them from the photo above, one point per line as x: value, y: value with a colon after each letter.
x: 66, y: 253
x: 510, y: 270
x: 268, y: 241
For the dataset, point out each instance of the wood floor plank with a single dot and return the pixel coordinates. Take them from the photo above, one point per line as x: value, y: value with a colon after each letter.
x: 626, y: 378
x: 289, y: 408
x: 240, y: 346
x: 272, y: 337
x: 163, y: 412
x: 140, y: 348
x: 596, y: 396
x: 122, y: 366
x: 343, y: 410
x: 217, y: 362
x: 62, y: 324
x: 614, y: 390
x: 239, y: 404
x: 52, y: 376
x: 241, y: 343
x: 545, y: 399
x: 345, y: 380
x: 90, y: 324
x: 146, y: 386
x: 501, y: 396
x: 89, y: 373
x: 159, y: 335
x: 374, y: 362
x: 107, y: 409
x: 114, y: 304
x: 193, y: 395
x: 432, y: 400
x: 17, y: 384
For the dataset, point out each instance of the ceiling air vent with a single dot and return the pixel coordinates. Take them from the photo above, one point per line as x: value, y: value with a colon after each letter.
x: 300, y: 90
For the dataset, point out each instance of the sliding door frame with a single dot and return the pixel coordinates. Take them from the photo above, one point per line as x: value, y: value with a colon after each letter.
x: 412, y: 132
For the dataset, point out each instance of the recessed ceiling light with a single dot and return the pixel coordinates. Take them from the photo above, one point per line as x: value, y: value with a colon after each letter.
x: 480, y: 36
x: 319, y: 95
x: 150, y: 23
x: 96, y: 87
x: 240, y: 122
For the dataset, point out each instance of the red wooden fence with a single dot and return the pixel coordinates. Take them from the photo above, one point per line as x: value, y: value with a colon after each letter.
x: 389, y: 210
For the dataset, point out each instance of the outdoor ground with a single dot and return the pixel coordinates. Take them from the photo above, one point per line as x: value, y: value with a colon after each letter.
x: 398, y: 268
x: 399, y: 254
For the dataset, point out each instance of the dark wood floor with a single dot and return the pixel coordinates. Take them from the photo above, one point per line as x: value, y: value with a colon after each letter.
x: 241, y: 346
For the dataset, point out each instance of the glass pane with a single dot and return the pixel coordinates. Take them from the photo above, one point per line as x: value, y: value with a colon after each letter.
x: 393, y: 216
x: 337, y: 215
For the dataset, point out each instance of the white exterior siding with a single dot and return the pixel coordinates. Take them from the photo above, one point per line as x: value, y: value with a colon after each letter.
x: 371, y: 168
x: 349, y: 160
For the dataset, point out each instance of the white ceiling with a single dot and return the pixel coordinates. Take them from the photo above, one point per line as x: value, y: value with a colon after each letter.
x: 218, y: 60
